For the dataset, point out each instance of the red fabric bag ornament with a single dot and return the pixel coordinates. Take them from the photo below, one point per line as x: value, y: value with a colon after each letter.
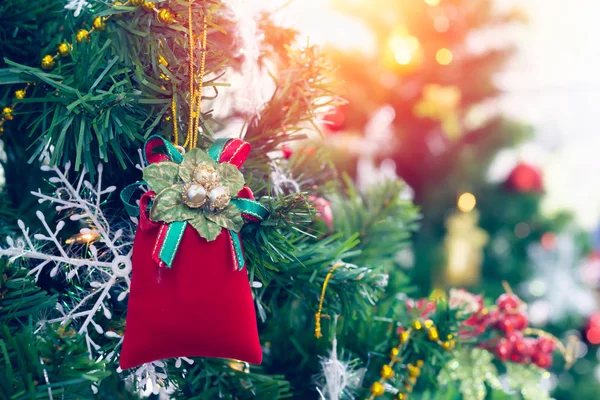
x: 194, y: 299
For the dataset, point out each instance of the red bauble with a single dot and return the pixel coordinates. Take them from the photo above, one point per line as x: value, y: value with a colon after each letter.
x: 508, y: 302
x: 525, y: 178
x: 519, y: 321
x: 336, y: 120
x: 542, y: 360
x: 503, y: 350
x: 545, y: 345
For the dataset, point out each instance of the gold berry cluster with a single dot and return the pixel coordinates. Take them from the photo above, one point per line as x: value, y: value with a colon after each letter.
x: 413, y: 371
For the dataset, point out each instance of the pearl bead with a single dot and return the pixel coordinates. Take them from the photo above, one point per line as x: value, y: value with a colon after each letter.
x: 219, y: 198
x: 194, y: 195
x: 207, y: 176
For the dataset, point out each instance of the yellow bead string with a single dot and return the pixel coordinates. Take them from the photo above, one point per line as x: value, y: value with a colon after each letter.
x: 318, y: 333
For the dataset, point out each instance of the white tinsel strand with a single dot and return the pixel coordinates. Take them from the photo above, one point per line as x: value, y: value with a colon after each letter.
x: 338, y: 375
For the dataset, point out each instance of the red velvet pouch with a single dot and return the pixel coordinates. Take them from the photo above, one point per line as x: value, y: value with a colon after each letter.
x: 200, y: 307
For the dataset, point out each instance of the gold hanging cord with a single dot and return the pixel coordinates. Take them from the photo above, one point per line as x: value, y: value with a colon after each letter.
x: 191, y: 139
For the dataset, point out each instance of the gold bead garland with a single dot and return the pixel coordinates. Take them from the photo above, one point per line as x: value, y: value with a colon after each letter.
x: 99, y: 24
x: 165, y: 16
x: 413, y: 370
x: 148, y: 6
x: 64, y: 49
x: 8, y: 112
x: 82, y: 35
x: 48, y: 62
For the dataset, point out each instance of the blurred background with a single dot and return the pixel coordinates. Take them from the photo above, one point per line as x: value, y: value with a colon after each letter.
x: 487, y: 110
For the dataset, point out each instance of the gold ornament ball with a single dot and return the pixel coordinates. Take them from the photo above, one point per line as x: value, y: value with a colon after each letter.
x: 207, y: 176
x: 420, y: 363
x: 219, y: 198
x: 394, y: 353
x: 402, y: 396
x: 1, y: 129
x: 433, y: 334
x: 136, y: 3
x: 82, y: 35
x: 20, y: 94
x: 387, y: 372
x: 7, y: 113
x: 48, y: 62
x: 117, y: 3
x: 99, y: 23
x: 428, y: 323
x: 194, y: 195
x: 377, y: 389
x: 166, y: 16
x: 64, y: 49
x: 418, y: 325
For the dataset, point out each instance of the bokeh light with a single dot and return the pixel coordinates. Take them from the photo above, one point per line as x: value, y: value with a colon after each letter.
x: 404, y: 46
x: 432, y: 2
x: 444, y: 56
x: 467, y: 202
x: 522, y: 230
x: 441, y: 23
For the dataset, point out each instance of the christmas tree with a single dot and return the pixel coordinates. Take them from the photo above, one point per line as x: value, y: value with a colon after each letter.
x: 238, y: 268
x: 423, y: 110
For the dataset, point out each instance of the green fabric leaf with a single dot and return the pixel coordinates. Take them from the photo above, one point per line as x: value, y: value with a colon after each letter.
x: 168, y: 206
x: 205, y: 228
x: 229, y: 218
x: 190, y: 161
x: 231, y: 177
x: 161, y: 176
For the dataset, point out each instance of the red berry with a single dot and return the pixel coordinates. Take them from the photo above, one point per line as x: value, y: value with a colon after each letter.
x: 542, y: 360
x: 505, y: 324
x: 514, y: 337
x: 503, y: 350
x: 287, y: 151
x: 525, y: 347
x: 508, y: 302
x: 519, y: 358
x: 519, y: 321
x: 545, y: 345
